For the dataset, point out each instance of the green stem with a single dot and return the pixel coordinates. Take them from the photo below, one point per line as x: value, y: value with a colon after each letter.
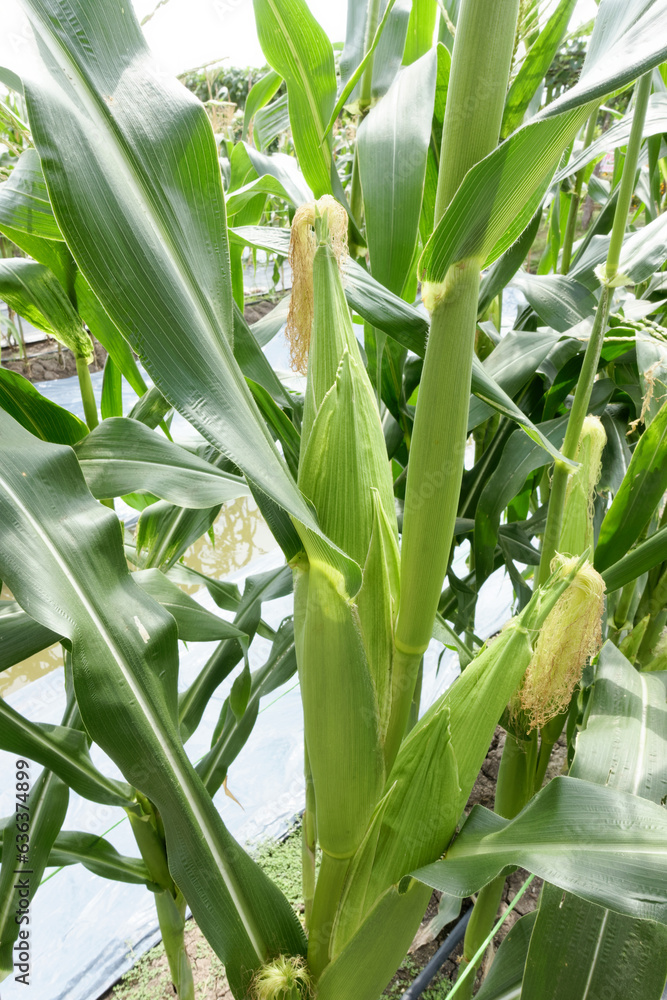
x: 582, y: 395
x: 623, y: 607
x: 481, y: 61
x: 475, y: 101
x: 514, y: 788
x: 433, y: 483
x: 325, y: 904
x: 171, y: 916
x: 571, y: 224
x: 466, y: 973
x: 643, y: 92
x: 87, y: 394
x: 366, y: 88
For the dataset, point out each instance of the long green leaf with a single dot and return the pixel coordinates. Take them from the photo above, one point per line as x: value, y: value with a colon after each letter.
x: 655, y: 123
x: 195, y: 623
x: 26, y: 217
x: 64, y: 751
x: 262, y: 587
x: 72, y: 847
x: 232, y: 733
x: 124, y: 456
x: 143, y: 213
x: 37, y: 295
x: 392, y: 146
x: 20, y: 635
x: 388, y: 55
x: 503, y: 981
x: 640, y: 560
x: 46, y: 808
x: 124, y: 655
x: 606, y: 846
x: 297, y: 48
x: 259, y: 96
x: 578, y: 948
x: 558, y: 299
x: 39, y: 415
x: 535, y: 66
x: 640, y: 493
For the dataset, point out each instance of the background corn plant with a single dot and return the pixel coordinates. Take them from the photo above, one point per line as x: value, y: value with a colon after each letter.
x: 455, y: 172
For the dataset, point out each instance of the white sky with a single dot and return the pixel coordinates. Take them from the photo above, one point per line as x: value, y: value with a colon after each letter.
x: 185, y: 34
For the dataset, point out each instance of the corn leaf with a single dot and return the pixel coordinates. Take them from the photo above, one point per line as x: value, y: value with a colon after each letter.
x: 47, y: 806
x: 535, y: 66
x: 262, y: 587
x: 297, y: 48
x: 655, y: 123
x: 388, y: 54
x: 232, y: 733
x: 558, y: 299
x: 64, y: 751
x: 137, y: 193
x: 500, y: 194
x: 520, y: 457
x: 259, y: 96
x: 195, y: 623
x: 26, y: 217
x: 72, y: 847
x: 125, y: 456
x: 578, y: 947
x: 24, y: 200
x: 392, y: 147
x: 20, y: 635
x: 638, y: 496
x: 601, y: 844
x: 39, y: 415
x: 503, y: 981
x: 639, y: 560
x: 37, y: 295
x: 124, y: 656
x: 165, y: 531
x: 421, y: 28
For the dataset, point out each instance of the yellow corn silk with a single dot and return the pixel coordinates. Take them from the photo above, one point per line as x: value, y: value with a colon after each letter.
x: 570, y: 635
x: 577, y: 531
x: 344, y: 642
x: 286, y: 978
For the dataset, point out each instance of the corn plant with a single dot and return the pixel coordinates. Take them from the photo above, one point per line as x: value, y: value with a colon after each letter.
x: 361, y: 481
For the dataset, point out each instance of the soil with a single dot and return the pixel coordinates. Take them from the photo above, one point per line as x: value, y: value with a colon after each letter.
x: 45, y: 363
x: 149, y: 978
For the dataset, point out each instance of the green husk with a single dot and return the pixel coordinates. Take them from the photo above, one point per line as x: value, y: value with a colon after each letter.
x: 344, y: 646
x: 577, y: 531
